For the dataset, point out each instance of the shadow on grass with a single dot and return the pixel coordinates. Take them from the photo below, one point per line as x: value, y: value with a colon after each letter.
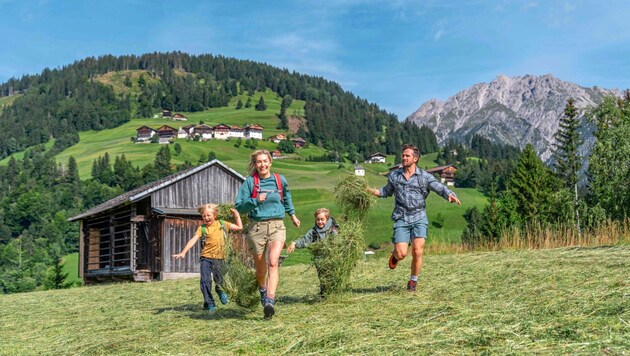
x: 377, y: 289
x: 195, y: 311
x: 304, y: 299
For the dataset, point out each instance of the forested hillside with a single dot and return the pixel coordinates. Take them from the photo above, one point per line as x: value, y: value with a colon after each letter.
x: 58, y: 103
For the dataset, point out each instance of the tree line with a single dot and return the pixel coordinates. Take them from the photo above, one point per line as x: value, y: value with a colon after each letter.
x: 38, y: 195
x: 59, y: 103
x: 529, y: 193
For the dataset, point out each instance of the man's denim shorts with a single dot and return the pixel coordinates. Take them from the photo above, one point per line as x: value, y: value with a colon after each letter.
x: 405, y: 232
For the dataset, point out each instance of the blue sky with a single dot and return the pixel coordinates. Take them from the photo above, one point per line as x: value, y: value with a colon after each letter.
x: 395, y: 53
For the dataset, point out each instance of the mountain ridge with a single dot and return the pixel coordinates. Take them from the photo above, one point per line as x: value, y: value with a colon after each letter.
x: 510, y: 110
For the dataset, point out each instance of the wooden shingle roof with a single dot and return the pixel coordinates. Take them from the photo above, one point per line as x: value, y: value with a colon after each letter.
x: 143, y: 191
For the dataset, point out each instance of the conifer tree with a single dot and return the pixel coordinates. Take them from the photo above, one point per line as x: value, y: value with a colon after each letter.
x: 261, y: 106
x: 530, y: 185
x: 568, y: 162
x: 608, y: 164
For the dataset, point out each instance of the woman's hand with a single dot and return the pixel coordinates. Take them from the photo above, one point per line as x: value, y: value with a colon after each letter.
x: 179, y: 255
x: 295, y: 220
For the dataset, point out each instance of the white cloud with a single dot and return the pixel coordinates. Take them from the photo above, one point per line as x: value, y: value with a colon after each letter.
x: 441, y: 29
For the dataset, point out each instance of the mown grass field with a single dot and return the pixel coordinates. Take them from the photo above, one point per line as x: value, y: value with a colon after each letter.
x: 557, y: 301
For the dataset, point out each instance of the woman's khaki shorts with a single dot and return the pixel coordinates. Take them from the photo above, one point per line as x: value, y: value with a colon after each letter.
x: 263, y: 232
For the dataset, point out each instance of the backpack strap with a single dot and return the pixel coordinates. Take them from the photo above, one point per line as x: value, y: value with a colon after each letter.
x: 279, y: 185
x: 256, y: 188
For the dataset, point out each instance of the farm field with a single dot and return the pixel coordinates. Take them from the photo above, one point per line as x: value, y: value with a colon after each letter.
x: 558, y: 301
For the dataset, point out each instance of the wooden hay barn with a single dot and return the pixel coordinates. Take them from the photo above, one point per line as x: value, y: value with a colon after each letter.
x: 134, y: 235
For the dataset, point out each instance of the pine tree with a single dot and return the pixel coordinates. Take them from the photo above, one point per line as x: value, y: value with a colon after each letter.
x: 56, y: 277
x: 163, y: 161
x: 530, y: 185
x: 608, y: 164
x: 261, y: 106
x: 568, y: 162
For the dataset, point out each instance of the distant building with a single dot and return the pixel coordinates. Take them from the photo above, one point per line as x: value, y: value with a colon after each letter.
x: 359, y: 170
x: 166, y: 133
x: 221, y: 132
x: 144, y: 134
x: 276, y: 154
x: 204, y: 132
x: 236, y: 131
x: 298, y: 142
x: 253, y: 131
x: 166, y: 114
x: 376, y: 158
x: 277, y: 138
x: 179, y: 117
x: 446, y: 173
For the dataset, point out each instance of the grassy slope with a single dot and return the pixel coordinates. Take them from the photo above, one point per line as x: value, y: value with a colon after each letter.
x: 311, y: 183
x: 560, y: 301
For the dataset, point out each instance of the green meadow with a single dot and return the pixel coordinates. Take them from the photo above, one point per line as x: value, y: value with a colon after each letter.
x: 559, y: 301
x: 311, y: 183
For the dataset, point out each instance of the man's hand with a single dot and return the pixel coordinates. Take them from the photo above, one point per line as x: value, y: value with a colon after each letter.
x: 453, y: 199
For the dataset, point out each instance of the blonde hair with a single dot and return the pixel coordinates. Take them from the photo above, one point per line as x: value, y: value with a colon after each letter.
x: 324, y: 211
x: 252, y: 160
x: 212, y: 208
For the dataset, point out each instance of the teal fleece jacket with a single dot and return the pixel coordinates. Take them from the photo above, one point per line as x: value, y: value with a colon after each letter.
x: 272, y: 207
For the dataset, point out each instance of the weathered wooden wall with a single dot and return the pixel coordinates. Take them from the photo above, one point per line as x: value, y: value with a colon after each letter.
x: 212, y: 185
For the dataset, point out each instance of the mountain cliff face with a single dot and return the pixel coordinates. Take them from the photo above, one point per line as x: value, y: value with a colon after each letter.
x: 510, y: 110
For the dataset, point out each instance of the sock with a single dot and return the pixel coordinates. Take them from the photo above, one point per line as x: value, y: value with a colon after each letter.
x: 262, y: 290
x: 413, y: 278
x: 271, y: 297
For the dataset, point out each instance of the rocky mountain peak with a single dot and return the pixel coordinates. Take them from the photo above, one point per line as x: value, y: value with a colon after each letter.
x: 510, y: 110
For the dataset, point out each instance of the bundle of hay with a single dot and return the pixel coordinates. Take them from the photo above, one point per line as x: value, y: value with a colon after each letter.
x: 336, y: 256
x: 352, y: 196
x: 239, y: 279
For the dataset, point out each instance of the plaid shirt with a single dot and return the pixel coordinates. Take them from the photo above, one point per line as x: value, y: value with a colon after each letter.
x: 410, y: 194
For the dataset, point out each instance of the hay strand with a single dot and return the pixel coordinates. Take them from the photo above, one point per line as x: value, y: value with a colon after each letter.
x: 336, y: 257
x: 239, y: 279
x: 352, y: 196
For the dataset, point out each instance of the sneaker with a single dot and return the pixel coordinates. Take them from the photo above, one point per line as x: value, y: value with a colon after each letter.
x: 223, y: 297
x: 211, y: 309
x: 269, y: 309
x: 263, y: 296
x: 411, y: 286
x: 393, y: 262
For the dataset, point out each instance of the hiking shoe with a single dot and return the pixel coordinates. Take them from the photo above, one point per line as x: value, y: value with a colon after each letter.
x: 211, y: 309
x: 393, y: 262
x: 263, y: 296
x: 223, y: 297
x: 411, y: 286
x: 269, y: 309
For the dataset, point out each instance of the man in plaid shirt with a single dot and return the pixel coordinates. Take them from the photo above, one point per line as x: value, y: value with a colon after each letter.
x: 410, y: 186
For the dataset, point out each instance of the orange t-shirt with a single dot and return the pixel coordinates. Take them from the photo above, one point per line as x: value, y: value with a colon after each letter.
x: 214, y: 241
